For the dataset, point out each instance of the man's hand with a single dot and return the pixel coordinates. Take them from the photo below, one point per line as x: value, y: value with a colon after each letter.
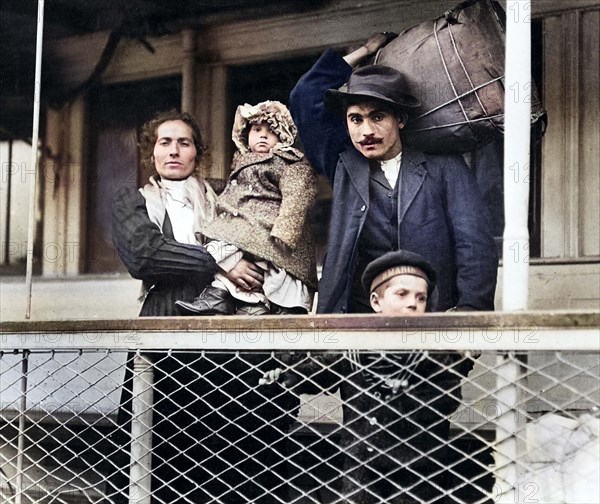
x: 270, y: 377
x: 396, y: 384
x: 377, y: 41
x: 370, y: 47
x: 287, y: 379
x: 246, y: 275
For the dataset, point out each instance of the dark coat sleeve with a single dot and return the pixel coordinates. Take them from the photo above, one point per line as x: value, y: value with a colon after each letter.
x: 321, y: 372
x: 322, y: 133
x: 475, y: 250
x: 147, y: 254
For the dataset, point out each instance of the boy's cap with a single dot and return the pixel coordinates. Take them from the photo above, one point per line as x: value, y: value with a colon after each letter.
x: 369, y: 82
x: 399, y: 262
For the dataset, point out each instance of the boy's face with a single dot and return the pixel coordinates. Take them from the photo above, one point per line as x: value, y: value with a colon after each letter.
x: 374, y: 130
x: 404, y: 295
x: 261, y: 138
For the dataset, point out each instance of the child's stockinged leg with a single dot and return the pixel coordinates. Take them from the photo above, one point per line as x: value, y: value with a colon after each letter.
x: 253, y: 309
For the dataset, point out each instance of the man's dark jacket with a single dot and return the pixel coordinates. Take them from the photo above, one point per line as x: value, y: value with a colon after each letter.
x: 440, y: 212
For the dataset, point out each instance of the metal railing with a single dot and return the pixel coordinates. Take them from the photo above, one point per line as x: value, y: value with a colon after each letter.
x: 301, y: 409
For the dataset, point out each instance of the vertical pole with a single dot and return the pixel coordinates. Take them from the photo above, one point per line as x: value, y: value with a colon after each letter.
x: 8, y: 203
x: 506, y: 449
x: 517, y: 127
x: 142, y: 402
x: 34, y: 153
x: 188, y: 42
x: 515, y: 272
x: 22, y: 427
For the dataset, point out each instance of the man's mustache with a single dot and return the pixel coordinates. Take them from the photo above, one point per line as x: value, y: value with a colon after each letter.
x: 370, y: 141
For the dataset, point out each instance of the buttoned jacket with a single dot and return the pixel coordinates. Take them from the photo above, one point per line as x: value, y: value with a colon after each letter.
x: 441, y: 214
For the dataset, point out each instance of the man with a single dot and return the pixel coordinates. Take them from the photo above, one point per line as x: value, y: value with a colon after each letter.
x: 387, y: 196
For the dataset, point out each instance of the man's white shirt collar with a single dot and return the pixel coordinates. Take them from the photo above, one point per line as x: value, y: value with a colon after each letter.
x: 391, y: 169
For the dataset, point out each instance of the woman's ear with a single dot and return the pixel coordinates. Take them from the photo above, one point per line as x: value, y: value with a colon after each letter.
x: 374, y: 299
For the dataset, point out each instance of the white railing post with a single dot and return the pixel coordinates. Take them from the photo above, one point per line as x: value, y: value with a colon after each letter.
x: 517, y: 125
x: 506, y: 450
x: 22, y: 426
x: 515, y: 271
x: 142, y: 402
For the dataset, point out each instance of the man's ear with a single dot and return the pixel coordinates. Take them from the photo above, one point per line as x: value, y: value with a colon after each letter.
x: 402, y: 119
x: 374, y: 299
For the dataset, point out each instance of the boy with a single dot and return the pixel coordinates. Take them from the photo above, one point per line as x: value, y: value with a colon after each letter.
x: 395, y: 405
x: 262, y: 215
x: 399, y: 283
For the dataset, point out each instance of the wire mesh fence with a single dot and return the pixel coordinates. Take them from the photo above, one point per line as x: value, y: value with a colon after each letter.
x: 226, y: 426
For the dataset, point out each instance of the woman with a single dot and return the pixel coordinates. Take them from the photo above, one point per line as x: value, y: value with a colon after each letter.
x: 205, y: 405
x: 155, y: 229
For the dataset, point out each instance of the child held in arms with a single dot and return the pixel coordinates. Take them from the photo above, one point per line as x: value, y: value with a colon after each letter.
x: 262, y: 216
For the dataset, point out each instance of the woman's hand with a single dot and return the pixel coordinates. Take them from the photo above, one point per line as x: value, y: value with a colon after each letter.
x: 246, y: 275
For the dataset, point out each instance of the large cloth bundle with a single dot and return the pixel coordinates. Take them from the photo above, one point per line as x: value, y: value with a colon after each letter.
x: 455, y: 65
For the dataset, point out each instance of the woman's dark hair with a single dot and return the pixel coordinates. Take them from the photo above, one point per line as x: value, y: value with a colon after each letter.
x: 149, y: 136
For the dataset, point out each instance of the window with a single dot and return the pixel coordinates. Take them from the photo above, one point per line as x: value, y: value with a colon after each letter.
x: 15, y: 157
x: 117, y: 113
